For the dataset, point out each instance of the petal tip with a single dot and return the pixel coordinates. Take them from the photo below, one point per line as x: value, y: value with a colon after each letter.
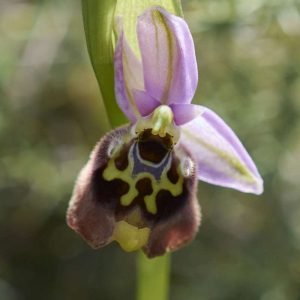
x: 258, y: 188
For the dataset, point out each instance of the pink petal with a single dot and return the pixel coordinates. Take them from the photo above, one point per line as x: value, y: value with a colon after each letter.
x: 128, y: 76
x: 184, y: 113
x: 221, y: 157
x: 145, y: 103
x: 168, y: 57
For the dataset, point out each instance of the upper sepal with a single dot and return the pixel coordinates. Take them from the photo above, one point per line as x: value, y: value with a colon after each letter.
x: 128, y: 76
x: 167, y: 72
x: 168, y: 56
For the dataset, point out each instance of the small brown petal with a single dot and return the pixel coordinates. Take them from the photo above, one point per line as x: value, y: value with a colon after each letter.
x: 174, y: 233
x: 86, y: 216
x: 91, y: 212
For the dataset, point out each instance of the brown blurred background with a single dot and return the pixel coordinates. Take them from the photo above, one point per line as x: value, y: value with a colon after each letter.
x: 51, y: 115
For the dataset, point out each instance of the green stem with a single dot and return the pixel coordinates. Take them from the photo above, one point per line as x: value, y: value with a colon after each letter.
x: 153, y: 277
x: 98, y: 20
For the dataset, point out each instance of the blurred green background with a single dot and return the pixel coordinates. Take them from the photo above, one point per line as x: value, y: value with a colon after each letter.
x: 51, y: 115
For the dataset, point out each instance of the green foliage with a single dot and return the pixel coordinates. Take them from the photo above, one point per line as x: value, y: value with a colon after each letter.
x: 98, y: 17
x: 51, y: 116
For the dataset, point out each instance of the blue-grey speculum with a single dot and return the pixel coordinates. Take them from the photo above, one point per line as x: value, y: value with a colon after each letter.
x: 151, y: 154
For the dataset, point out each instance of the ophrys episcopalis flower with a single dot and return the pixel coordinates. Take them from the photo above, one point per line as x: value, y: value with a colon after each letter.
x: 140, y: 185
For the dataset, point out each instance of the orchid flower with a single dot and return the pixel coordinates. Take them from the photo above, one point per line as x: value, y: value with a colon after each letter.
x: 139, y: 186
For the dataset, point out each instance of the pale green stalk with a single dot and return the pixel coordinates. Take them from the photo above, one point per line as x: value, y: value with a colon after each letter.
x: 99, y: 18
x: 153, y: 277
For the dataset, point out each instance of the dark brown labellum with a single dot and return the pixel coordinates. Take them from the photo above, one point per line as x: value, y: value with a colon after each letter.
x: 142, y: 176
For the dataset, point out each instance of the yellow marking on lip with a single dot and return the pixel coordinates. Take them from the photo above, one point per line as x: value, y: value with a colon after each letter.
x: 111, y: 173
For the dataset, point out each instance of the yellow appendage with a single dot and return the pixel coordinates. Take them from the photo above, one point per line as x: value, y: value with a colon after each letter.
x: 130, y: 237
